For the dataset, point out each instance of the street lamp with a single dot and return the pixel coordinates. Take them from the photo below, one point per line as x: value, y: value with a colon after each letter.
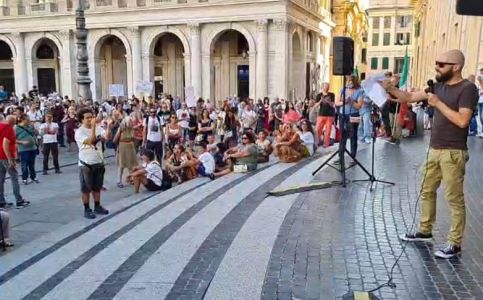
x: 83, y: 80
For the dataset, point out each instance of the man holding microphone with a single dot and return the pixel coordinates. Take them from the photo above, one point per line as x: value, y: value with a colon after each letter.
x: 454, y: 100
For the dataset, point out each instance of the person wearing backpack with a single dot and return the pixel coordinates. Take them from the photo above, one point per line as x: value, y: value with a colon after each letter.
x: 150, y: 174
x: 153, y: 134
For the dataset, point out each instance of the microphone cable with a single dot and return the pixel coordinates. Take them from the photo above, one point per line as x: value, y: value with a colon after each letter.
x: 390, y: 282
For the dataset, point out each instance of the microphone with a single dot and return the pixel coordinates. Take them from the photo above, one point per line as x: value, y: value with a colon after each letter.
x: 430, y: 88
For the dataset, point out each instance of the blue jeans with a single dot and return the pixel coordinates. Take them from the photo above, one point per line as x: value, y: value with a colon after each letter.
x: 480, y: 113
x: 4, y: 169
x: 365, y: 128
x: 27, y: 162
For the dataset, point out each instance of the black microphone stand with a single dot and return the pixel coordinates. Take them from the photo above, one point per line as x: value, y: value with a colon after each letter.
x: 372, y: 178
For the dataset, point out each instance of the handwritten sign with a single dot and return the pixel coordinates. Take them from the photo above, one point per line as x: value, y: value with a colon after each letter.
x: 144, y: 87
x: 189, y: 92
x: 116, y: 90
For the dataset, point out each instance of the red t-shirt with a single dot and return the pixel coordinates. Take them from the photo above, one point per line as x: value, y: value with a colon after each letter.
x: 6, y: 131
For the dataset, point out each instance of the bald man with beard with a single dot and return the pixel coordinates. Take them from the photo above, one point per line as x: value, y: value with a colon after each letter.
x: 8, y: 155
x: 454, y: 100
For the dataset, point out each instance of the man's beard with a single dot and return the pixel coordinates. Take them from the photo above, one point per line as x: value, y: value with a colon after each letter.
x: 444, y: 77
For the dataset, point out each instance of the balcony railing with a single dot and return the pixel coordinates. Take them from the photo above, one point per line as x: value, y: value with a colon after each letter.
x: 103, y: 2
x: 39, y: 8
x: 156, y: 2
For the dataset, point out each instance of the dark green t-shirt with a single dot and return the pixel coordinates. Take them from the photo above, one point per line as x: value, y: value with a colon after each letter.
x: 445, y: 134
x: 25, y: 134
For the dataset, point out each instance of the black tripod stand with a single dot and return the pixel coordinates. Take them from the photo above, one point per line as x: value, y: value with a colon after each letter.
x: 343, y: 150
x: 372, y: 178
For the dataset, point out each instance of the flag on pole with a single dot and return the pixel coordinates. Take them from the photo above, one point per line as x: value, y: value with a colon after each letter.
x: 405, y: 71
x: 355, y: 72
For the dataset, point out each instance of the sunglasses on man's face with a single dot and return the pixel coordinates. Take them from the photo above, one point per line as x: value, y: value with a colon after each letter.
x: 244, y: 138
x: 443, y: 64
x: 152, y: 112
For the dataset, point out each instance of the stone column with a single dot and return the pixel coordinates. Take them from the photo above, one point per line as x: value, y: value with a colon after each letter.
x: 136, y: 60
x: 65, y: 70
x: 281, y: 58
x: 19, y: 63
x: 146, y: 57
x: 196, y: 57
x: 262, y: 59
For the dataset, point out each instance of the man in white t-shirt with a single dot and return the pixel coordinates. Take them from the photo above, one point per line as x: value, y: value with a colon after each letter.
x: 249, y: 118
x: 48, y: 131
x: 183, y: 115
x: 89, y: 138
x: 153, y: 134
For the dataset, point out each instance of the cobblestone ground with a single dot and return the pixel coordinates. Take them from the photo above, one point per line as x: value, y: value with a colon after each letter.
x: 341, y: 240
x: 226, y: 239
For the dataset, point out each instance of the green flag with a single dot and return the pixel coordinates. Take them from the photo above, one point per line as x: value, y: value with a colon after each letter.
x: 405, y: 71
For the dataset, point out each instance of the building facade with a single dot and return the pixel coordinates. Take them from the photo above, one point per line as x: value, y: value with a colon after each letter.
x: 351, y: 21
x: 391, y: 32
x: 438, y: 29
x: 252, y: 48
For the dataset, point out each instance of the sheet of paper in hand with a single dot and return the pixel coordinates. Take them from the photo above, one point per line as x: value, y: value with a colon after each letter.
x: 374, y: 90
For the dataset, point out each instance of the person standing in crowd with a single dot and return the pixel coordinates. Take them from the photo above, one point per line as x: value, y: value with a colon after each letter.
x: 183, y: 115
x: 291, y: 116
x: 261, y: 116
x: 27, y: 148
x: 138, y: 126
x: 205, y: 125
x: 454, y: 100
x: 126, y: 154
x: 153, y: 134
x: 8, y: 156
x: 365, y: 128
x: 35, y: 116
x: 3, y: 94
x: 173, y: 131
x: 249, y: 118
x: 230, y: 129
x: 58, y: 114
x: 349, y: 115
x: 70, y: 123
x: 325, y: 120
x: 267, y: 110
x: 89, y: 138
x: 48, y: 131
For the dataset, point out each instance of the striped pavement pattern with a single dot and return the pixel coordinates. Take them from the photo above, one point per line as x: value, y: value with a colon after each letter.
x: 199, y: 240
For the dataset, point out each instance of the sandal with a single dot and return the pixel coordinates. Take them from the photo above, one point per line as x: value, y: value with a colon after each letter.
x: 120, y: 185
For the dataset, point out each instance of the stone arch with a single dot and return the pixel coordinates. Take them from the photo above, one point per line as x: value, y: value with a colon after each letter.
x: 9, y: 42
x: 46, y: 72
x: 94, y: 44
x: 154, y: 34
x: 46, y: 36
x: 100, y: 38
x: 214, y: 34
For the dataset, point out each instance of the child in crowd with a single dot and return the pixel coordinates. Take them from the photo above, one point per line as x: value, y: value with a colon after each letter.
x: 149, y: 174
x: 206, y: 166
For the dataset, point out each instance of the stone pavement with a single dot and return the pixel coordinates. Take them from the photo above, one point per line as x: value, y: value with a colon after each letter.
x: 225, y: 239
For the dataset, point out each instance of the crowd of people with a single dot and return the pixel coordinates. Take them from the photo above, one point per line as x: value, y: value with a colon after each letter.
x: 161, y: 142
